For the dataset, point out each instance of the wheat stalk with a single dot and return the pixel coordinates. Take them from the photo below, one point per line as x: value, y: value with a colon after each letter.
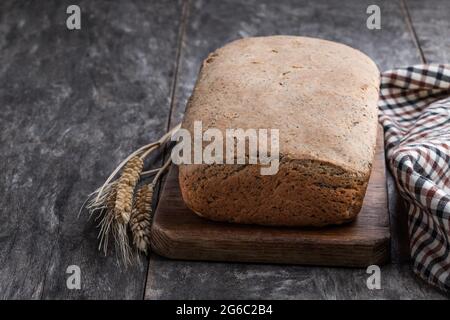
x: 119, y: 210
x: 143, y: 151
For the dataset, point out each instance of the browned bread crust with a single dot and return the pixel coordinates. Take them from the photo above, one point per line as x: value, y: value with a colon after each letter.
x: 322, y: 96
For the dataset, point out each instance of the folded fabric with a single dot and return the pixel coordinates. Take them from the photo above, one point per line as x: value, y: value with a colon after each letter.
x: 415, y: 113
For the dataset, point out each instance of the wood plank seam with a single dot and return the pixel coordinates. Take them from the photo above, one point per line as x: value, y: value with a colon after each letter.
x: 412, y: 30
x: 181, y: 35
x: 166, y: 151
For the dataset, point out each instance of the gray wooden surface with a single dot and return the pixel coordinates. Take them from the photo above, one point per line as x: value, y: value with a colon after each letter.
x: 431, y: 22
x: 73, y: 103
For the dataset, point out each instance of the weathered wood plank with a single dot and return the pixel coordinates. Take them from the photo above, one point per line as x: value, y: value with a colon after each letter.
x: 72, y: 104
x: 212, y: 280
x: 212, y: 24
x: 430, y: 20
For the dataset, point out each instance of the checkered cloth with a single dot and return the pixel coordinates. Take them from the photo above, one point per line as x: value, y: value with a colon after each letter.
x: 415, y: 113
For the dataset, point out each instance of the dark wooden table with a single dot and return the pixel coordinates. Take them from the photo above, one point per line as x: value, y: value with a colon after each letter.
x: 74, y: 103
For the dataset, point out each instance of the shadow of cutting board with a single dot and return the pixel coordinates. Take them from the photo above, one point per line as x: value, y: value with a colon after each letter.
x: 178, y: 233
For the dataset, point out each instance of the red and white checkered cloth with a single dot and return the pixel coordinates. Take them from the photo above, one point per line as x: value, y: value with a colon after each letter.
x: 415, y: 113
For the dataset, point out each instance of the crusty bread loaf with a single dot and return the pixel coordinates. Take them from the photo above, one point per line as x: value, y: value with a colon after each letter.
x: 322, y: 96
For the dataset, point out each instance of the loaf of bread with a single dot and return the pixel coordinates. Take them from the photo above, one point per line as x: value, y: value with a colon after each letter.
x: 321, y: 95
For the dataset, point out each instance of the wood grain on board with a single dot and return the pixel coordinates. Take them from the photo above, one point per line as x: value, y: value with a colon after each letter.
x: 179, y: 233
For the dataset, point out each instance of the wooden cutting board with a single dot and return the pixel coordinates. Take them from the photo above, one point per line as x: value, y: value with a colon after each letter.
x: 178, y: 233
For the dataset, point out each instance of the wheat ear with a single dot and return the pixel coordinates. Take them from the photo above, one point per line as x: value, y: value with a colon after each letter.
x: 125, y: 189
x: 140, y: 221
